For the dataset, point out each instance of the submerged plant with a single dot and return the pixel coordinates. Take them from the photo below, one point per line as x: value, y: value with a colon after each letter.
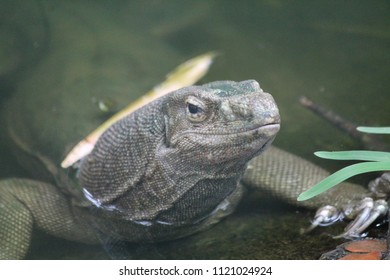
x: 373, y: 161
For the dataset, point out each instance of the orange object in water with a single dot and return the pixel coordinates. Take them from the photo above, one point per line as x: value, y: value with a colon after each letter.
x: 368, y: 249
x: 363, y: 256
x: 366, y: 246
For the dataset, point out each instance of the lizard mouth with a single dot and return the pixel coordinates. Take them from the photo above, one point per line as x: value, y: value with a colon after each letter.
x: 245, y: 133
x: 272, y: 128
x: 217, y: 147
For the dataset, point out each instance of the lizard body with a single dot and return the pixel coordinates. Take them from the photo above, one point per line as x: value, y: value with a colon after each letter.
x: 170, y: 169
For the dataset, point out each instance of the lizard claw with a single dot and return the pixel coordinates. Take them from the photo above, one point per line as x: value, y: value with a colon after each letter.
x: 367, y: 211
x: 325, y: 216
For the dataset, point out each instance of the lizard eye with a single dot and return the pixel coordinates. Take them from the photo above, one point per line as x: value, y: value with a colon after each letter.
x: 195, y: 109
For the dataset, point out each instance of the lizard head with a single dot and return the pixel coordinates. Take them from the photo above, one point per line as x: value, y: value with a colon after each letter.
x: 222, y: 121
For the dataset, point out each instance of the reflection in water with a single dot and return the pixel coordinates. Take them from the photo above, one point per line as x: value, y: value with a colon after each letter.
x: 337, y: 56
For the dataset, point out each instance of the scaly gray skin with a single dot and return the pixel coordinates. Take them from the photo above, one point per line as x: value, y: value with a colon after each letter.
x: 168, y: 170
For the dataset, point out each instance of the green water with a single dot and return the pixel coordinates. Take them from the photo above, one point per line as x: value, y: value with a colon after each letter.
x: 335, y: 52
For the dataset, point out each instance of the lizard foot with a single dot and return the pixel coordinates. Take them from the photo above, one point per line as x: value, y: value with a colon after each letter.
x: 364, y: 213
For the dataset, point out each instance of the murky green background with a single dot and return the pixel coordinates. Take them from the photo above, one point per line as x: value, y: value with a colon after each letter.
x: 335, y: 52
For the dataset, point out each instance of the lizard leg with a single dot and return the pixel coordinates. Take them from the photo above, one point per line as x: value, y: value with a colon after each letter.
x: 285, y: 176
x: 25, y: 204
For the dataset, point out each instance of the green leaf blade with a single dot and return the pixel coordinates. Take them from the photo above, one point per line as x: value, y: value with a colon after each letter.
x: 374, y: 130
x: 342, y: 175
x: 355, y: 155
